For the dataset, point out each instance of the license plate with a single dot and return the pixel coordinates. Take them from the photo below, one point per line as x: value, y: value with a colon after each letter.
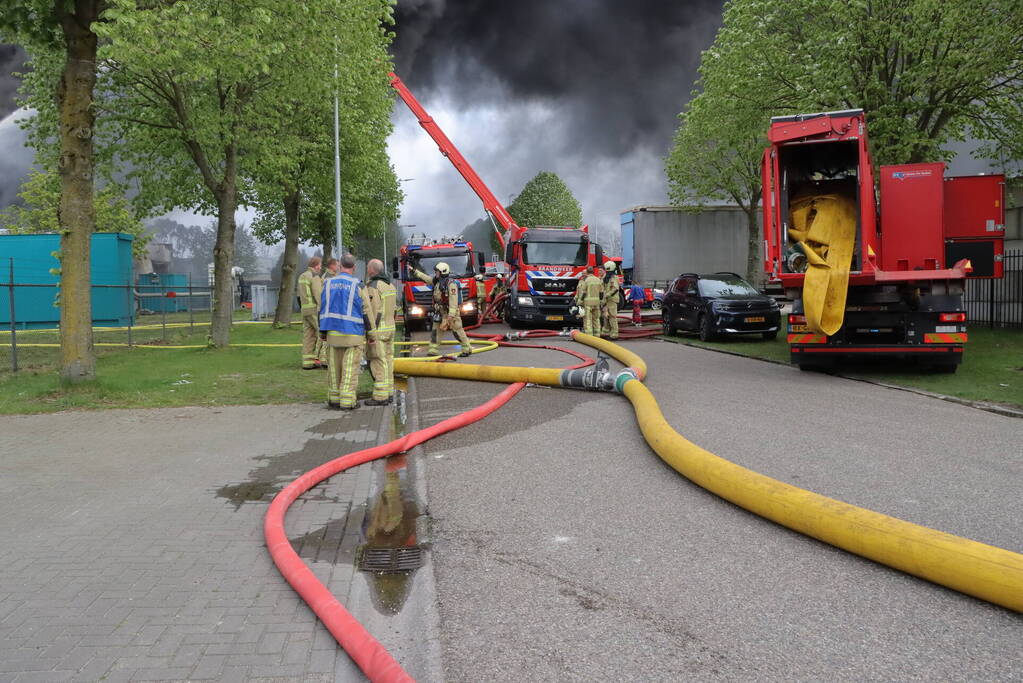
x: 755, y: 319
x: 555, y: 317
x: 798, y: 328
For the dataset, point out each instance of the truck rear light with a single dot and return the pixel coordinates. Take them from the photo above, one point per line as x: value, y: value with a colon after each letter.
x: 952, y: 318
x: 797, y: 319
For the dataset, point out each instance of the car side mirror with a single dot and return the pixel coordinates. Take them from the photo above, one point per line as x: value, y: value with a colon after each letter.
x: 691, y: 290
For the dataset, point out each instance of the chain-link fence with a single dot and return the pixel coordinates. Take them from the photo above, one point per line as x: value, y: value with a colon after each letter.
x: 124, y: 315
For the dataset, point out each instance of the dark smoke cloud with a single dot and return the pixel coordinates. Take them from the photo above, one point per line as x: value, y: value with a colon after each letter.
x: 12, y: 59
x: 588, y: 89
x: 620, y: 69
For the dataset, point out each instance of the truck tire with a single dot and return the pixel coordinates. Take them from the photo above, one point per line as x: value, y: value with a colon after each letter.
x: 706, y: 327
x: 946, y: 368
x: 512, y: 322
x: 770, y: 336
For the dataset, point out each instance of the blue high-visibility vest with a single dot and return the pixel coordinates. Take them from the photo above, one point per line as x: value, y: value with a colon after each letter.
x: 341, y: 306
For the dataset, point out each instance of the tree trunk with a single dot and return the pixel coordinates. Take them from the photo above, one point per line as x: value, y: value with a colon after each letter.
x: 292, y: 205
x: 223, y: 253
x: 76, y: 214
x: 754, y: 255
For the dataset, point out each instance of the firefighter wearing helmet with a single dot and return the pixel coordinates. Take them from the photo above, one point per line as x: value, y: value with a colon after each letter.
x: 447, y: 302
x: 609, y: 309
x: 481, y: 296
x: 587, y: 298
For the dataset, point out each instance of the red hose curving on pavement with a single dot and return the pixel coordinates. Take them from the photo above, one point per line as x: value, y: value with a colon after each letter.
x: 366, y: 651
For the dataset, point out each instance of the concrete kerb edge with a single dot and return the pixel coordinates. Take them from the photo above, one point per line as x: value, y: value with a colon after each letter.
x: 979, y: 405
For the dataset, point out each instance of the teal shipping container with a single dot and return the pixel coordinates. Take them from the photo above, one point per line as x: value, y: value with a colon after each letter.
x: 32, y: 258
x: 153, y: 289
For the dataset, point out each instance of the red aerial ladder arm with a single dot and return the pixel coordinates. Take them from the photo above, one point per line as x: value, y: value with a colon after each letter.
x: 448, y: 149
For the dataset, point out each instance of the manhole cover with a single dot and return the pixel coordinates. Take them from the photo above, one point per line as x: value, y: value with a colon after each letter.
x: 390, y: 560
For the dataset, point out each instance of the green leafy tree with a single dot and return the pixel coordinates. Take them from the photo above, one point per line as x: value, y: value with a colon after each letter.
x: 544, y: 200
x: 926, y: 72
x: 40, y: 196
x: 297, y: 180
x: 196, y: 90
x: 61, y: 34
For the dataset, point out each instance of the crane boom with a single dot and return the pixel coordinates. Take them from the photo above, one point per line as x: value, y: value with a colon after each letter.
x: 493, y: 207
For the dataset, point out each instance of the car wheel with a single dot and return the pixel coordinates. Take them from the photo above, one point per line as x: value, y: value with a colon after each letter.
x: 706, y: 327
x: 655, y: 305
x: 771, y: 336
x: 666, y: 327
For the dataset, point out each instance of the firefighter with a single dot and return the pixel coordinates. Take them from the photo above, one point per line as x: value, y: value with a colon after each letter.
x: 345, y: 325
x: 447, y: 294
x: 330, y: 268
x: 587, y: 297
x: 381, y: 354
x: 636, y: 297
x: 612, y: 292
x: 310, y: 285
x: 481, y: 297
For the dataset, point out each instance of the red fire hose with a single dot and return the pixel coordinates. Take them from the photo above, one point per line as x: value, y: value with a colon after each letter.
x: 365, y: 650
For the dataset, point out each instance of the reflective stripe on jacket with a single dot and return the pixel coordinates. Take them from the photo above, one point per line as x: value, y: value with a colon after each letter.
x: 589, y: 291
x: 341, y: 308
x: 382, y: 302
x: 309, y: 286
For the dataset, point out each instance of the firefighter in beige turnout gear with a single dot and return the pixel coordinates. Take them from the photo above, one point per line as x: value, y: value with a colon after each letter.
x: 309, y: 287
x: 381, y: 354
x: 345, y: 325
x: 446, y: 315
x: 612, y: 294
x: 587, y: 297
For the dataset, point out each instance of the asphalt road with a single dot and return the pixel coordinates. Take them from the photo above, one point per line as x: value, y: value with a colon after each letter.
x: 564, y: 549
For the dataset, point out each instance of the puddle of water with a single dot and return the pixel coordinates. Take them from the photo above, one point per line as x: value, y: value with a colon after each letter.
x: 276, y: 471
x: 391, y: 523
x: 322, y: 544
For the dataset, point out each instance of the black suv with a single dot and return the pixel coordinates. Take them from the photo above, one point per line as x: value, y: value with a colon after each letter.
x: 718, y: 304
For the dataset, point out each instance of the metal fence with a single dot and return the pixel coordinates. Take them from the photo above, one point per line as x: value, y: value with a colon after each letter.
x: 125, y: 315
x: 998, y: 303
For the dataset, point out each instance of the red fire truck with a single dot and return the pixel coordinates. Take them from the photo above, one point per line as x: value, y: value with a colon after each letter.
x: 544, y: 262
x: 422, y: 253
x: 873, y: 269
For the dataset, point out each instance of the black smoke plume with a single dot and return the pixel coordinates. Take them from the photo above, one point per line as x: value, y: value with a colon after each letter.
x: 621, y: 69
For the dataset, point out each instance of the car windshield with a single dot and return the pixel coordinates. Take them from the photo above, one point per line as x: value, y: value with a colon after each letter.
x: 461, y: 264
x: 726, y: 287
x: 554, y: 253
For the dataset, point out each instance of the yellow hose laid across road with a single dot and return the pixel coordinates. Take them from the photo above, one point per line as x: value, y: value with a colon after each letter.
x: 983, y: 571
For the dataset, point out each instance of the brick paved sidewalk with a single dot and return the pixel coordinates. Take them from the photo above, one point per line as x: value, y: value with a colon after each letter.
x: 131, y: 546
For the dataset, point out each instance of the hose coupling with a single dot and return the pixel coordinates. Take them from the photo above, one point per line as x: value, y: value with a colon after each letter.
x: 622, y: 377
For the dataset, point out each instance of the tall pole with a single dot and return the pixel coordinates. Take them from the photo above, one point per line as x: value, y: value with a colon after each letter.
x: 384, y: 221
x: 337, y: 171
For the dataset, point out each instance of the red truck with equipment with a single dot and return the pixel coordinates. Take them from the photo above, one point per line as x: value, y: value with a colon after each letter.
x: 544, y: 263
x: 423, y: 254
x: 872, y: 270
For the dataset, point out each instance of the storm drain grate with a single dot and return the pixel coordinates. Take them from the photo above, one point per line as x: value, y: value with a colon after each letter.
x: 390, y: 560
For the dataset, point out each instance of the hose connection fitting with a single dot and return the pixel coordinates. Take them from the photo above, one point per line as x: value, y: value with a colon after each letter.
x: 512, y: 336
x: 622, y: 377
x: 597, y: 377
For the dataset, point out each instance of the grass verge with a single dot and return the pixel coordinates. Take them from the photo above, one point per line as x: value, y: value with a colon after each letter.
x: 992, y: 368
x: 159, y: 377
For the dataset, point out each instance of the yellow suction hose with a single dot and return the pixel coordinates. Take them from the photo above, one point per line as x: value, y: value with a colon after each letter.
x: 983, y: 571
